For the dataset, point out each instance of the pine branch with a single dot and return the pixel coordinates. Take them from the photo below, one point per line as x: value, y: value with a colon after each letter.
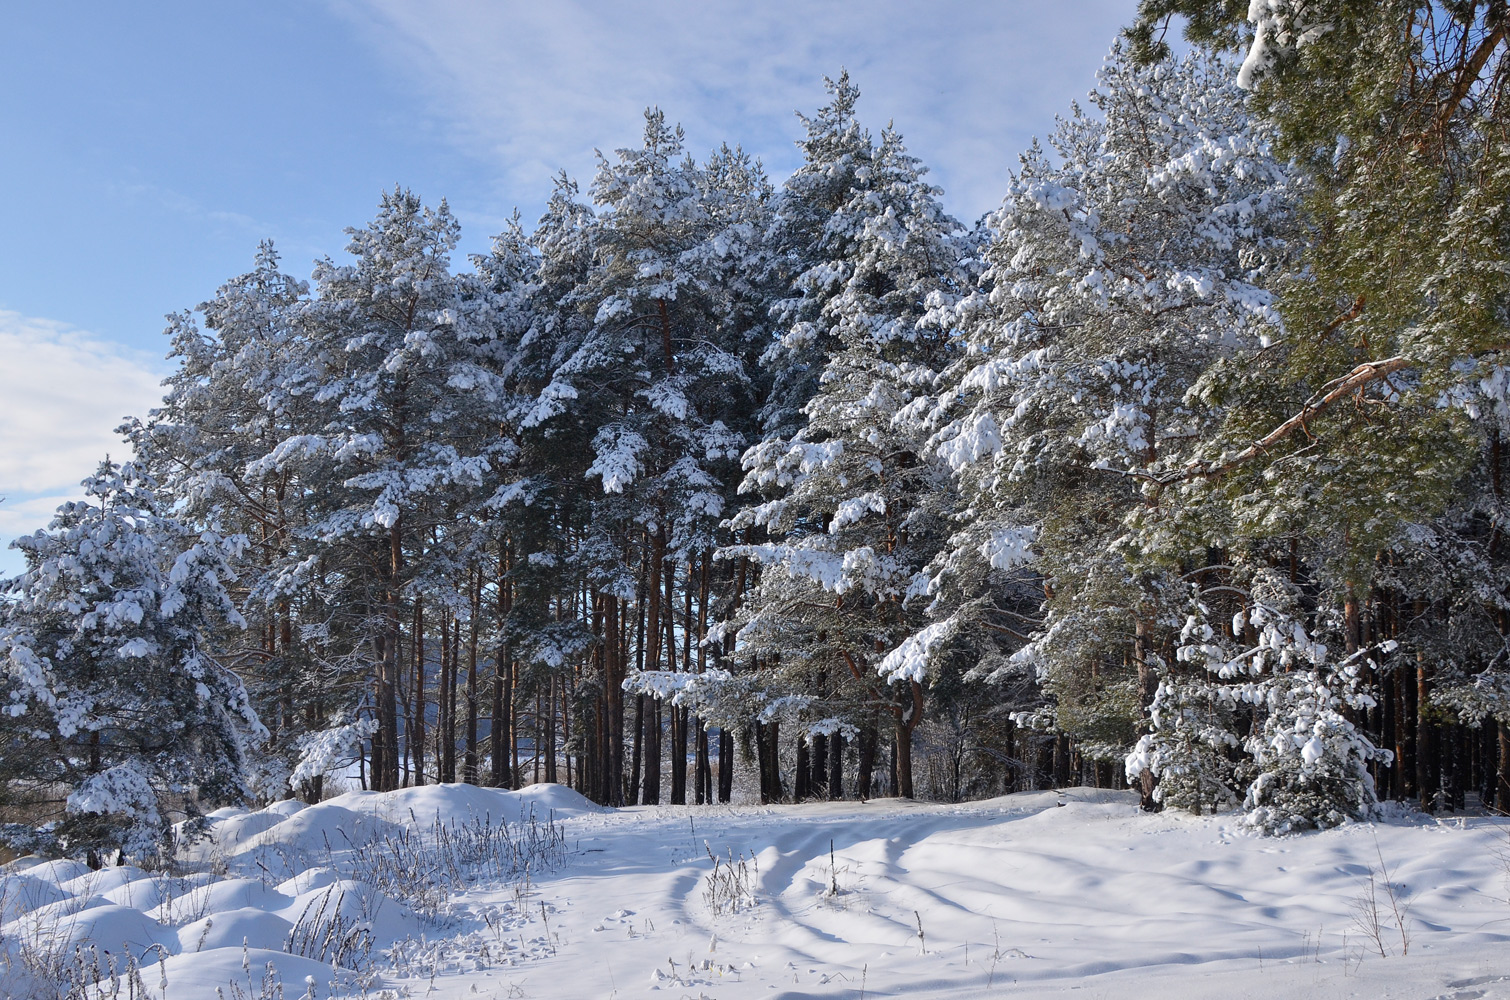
x: 1362, y: 375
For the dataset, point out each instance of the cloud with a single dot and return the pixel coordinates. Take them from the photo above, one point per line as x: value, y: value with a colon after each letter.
x: 64, y: 392
x: 535, y: 87
x: 180, y: 204
x: 22, y: 517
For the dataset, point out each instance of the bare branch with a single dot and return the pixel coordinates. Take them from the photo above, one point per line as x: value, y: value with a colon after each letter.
x: 1362, y: 375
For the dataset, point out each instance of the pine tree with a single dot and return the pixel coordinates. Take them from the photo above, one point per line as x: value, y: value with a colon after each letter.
x: 113, y: 690
x: 837, y: 153
x: 1394, y: 113
x: 393, y: 353
x: 1307, y: 762
x: 1124, y: 284
x: 854, y: 508
x: 226, y: 405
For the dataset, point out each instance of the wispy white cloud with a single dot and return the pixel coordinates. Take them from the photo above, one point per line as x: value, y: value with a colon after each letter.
x: 62, y: 394
x: 537, y: 86
x: 22, y: 517
x: 180, y: 204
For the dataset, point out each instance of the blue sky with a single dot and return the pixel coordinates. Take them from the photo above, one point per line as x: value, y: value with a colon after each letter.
x: 150, y: 146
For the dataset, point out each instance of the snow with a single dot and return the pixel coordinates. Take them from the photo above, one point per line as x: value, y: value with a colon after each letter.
x: 617, y: 458
x: 24, y: 894
x: 120, y: 789
x: 977, y: 439
x: 113, y: 928
x: 909, y: 661
x: 1008, y: 548
x: 1277, y: 25
x: 1042, y: 894
x: 256, y: 927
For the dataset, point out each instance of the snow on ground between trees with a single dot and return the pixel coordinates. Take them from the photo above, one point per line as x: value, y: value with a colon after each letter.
x: 455, y: 891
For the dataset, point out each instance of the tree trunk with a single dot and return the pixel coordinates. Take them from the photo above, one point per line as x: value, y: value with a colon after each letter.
x: 1148, y: 685
x: 1396, y: 696
x: 651, y: 794
x: 1457, y: 766
x: 1502, y: 772
x: 904, y: 761
x: 773, y: 761
x: 639, y: 745
x: 1061, y: 761
x: 702, y: 773
x: 762, y: 762
x: 800, y: 780
x: 386, y: 777
x: 448, y: 736
x: 503, y: 668
x: 469, y: 758
x: 654, y: 736
x: 515, y: 772
x: 417, y: 724
x: 907, y: 720
x: 1425, y: 750
x: 613, y: 704
x: 818, y: 782
x: 725, y: 764
x: 891, y: 764
x: 376, y: 765
x: 1045, y: 767
x: 865, y: 767
x: 636, y: 783
x: 552, y: 682
x: 1489, y: 763
x: 836, y: 766
x: 678, y: 715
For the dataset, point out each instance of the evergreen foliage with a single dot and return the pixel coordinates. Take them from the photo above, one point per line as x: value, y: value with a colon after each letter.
x: 113, y: 693
x: 1182, y: 469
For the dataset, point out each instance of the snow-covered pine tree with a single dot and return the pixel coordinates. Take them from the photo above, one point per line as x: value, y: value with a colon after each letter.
x: 227, y: 404
x: 1451, y: 573
x: 112, y: 688
x: 1308, y: 763
x: 1121, y: 279
x: 394, y: 354
x: 641, y: 399
x: 854, y: 509
x: 1395, y: 115
x: 669, y: 446
x: 837, y: 153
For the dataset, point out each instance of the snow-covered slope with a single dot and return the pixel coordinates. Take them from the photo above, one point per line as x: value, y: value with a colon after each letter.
x: 454, y: 891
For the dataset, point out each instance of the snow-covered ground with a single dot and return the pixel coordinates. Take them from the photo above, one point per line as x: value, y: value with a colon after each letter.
x: 453, y: 891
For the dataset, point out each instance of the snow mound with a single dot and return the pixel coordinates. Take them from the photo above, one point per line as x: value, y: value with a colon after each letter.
x: 146, y: 893
x: 45, y: 920
x: 311, y: 835
x: 425, y: 803
x: 231, y: 928
x: 230, y: 833
x: 20, y: 865
x: 58, y: 872
x: 286, y: 807
x: 310, y: 878
x: 115, y: 929
x: 564, y: 801
x: 200, y: 974
x: 24, y: 894
x: 217, y: 897
x: 289, y: 837
x: 348, y: 905
x: 100, y: 882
